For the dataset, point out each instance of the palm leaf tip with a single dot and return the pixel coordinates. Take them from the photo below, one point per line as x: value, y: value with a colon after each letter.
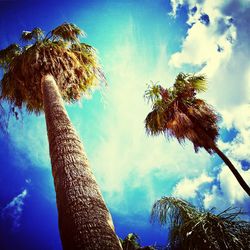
x: 199, y: 82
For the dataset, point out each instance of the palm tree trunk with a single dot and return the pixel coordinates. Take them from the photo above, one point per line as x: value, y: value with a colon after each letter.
x: 84, y: 220
x: 233, y: 170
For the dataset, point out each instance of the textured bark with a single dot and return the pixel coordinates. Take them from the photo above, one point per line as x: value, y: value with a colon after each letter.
x: 233, y: 170
x: 84, y: 220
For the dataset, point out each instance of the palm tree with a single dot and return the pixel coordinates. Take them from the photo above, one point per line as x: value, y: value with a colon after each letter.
x: 132, y: 242
x: 37, y: 77
x: 191, y: 228
x: 177, y: 113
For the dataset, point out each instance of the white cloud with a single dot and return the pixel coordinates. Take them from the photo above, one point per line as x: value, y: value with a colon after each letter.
x: 13, y: 210
x: 238, y: 118
x: 202, y: 42
x: 188, y: 188
x: 230, y: 193
x: 175, y: 5
x: 229, y: 185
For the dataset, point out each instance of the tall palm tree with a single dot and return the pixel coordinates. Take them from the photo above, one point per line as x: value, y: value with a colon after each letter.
x: 191, y: 228
x: 177, y: 113
x: 37, y: 77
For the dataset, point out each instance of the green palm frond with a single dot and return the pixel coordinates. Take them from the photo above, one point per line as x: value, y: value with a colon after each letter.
x: 173, y: 210
x: 198, y: 82
x: 152, y: 94
x: 68, y: 32
x: 184, y: 82
x: 192, y: 228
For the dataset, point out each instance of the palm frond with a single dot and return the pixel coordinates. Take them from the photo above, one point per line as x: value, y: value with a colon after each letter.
x: 68, y: 32
x: 36, y: 34
x: 192, y: 228
x: 154, y: 122
x: 8, y: 54
x: 189, y: 84
x: 152, y: 93
x: 198, y: 82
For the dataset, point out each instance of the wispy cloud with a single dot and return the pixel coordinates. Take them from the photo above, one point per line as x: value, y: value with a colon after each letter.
x: 12, y: 212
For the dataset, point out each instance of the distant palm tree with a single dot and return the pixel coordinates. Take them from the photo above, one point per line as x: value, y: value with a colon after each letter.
x: 132, y: 242
x: 177, y: 112
x: 38, y: 76
x: 194, y: 229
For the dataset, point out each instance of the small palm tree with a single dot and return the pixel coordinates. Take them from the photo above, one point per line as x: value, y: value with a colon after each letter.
x: 177, y: 113
x: 37, y: 77
x: 132, y: 242
x: 193, y: 229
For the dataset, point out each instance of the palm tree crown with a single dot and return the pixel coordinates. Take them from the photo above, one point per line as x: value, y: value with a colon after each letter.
x: 177, y: 112
x: 73, y: 64
x: 194, y: 228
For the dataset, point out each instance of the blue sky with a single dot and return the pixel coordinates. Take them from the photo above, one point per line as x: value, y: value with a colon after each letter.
x: 138, y: 42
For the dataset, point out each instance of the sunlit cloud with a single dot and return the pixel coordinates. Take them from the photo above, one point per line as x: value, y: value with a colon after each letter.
x: 188, y: 188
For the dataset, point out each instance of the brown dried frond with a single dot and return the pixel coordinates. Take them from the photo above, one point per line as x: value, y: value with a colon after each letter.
x: 74, y: 68
x: 154, y: 122
x: 185, y: 116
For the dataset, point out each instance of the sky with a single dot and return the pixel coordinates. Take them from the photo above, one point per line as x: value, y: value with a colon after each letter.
x: 138, y: 42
